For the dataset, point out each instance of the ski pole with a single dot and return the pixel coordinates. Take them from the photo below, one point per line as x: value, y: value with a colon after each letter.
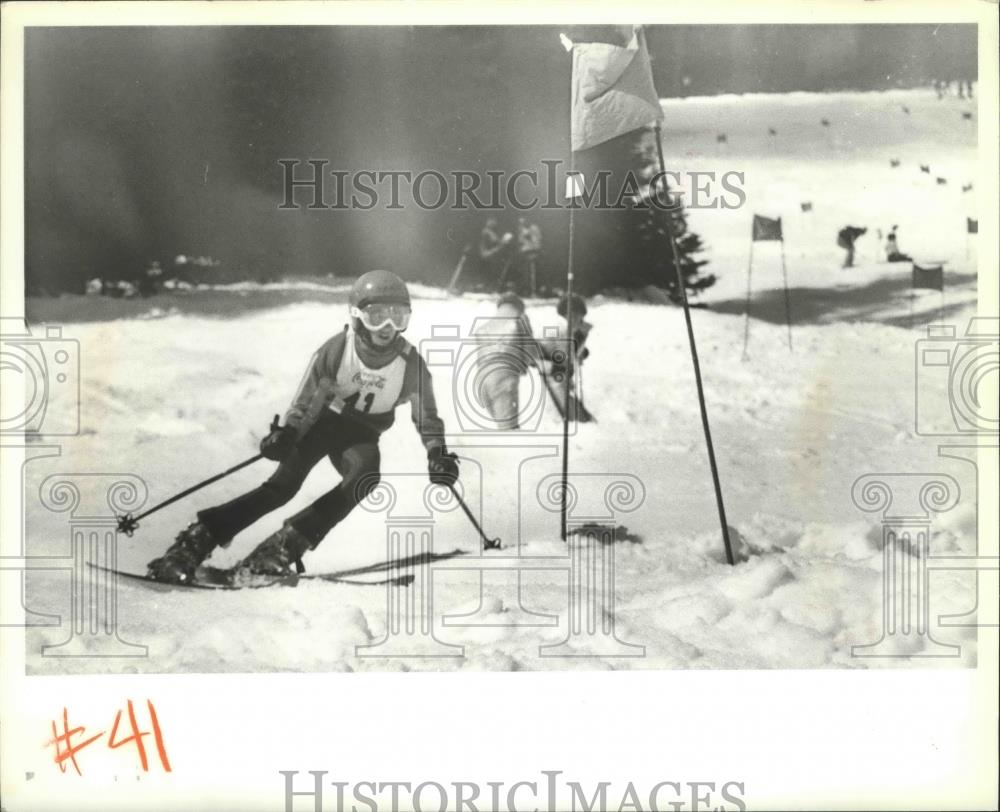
x: 488, y: 543
x: 453, y: 284
x: 502, y: 281
x: 128, y: 523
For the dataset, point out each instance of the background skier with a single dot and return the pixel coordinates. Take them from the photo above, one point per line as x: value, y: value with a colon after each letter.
x: 506, y: 348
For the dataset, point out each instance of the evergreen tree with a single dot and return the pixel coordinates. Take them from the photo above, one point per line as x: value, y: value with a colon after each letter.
x: 652, y: 235
x: 621, y: 238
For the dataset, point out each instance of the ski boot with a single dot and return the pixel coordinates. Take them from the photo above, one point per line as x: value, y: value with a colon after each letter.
x: 277, y: 554
x: 178, y: 564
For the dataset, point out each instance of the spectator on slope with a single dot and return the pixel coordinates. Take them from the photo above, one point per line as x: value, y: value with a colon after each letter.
x: 529, y: 246
x: 892, y: 252
x: 846, y: 238
x: 151, y: 280
x: 494, y: 253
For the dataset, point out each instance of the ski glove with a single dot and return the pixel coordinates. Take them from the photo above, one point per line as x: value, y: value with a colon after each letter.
x: 279, y: 443
x: 442, y: 466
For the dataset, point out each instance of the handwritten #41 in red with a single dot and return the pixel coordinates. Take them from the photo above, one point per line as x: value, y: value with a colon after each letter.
x: 66, y: 748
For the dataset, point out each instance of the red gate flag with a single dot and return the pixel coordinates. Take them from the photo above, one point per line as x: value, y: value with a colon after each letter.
x: 931, y: 277
x: 613, y: 92
x: 972, y: 226
x: 764, y: 228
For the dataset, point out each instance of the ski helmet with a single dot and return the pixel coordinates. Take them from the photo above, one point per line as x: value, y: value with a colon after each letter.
x: 379, y: 298
x: 512, y: 299
x: 381, y: 287
x: 579, y: 306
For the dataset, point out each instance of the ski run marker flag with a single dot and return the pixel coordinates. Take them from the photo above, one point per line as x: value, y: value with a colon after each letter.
x: 574, y: 185
x: 929, y: 278
x: 613, y: 92
x: 764, y: 228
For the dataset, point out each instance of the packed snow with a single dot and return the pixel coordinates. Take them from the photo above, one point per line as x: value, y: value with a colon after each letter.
x: 178, y: 397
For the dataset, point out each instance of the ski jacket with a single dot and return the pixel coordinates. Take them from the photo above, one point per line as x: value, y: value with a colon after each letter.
x: 848, y: 234
x: 505, y: 344
x: 338, y: 379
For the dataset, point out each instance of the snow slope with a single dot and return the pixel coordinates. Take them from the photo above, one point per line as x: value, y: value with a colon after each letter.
x: 176, y: 398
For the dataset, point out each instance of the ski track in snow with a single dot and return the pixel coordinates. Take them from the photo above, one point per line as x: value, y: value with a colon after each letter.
x: 176, y: 398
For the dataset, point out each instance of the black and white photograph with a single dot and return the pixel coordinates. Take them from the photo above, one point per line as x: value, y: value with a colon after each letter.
x: 353, y: 346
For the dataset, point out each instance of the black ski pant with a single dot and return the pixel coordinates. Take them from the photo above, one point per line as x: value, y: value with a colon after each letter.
x: 353, y: 450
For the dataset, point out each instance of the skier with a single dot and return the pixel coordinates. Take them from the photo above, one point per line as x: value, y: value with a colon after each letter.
x: 348, y: 397
x: 846, y: 238
x: 505, y: 348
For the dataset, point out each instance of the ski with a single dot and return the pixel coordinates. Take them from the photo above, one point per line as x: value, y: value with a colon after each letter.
x: 217, y: 578
x: 579, y: 412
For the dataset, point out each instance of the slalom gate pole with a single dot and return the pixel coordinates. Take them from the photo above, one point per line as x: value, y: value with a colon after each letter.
x: 746, y: 314
x: 128, y: 523
x: 488, y: 543
x: 569, y: 353
x: 697, y: 368
x: 788, y: 301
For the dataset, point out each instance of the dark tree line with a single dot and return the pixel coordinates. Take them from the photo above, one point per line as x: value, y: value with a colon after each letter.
x: 704, y: 60
x: 145, y: 143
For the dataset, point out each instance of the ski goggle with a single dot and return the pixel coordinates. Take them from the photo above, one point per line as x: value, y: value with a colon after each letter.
x: 376, y: 316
